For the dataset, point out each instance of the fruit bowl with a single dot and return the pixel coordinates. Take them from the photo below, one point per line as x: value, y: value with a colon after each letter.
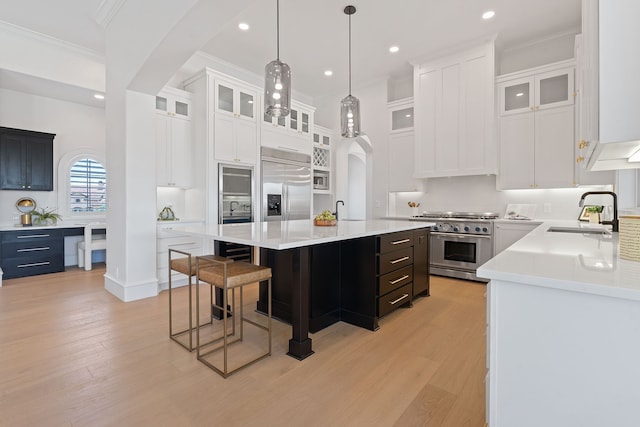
x: 325, y: 222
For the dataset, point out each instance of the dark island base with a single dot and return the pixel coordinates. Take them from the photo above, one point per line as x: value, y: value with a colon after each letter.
x: 316, y: 286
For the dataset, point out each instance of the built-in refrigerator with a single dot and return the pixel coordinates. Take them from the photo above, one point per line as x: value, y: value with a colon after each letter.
x: 286, y: 185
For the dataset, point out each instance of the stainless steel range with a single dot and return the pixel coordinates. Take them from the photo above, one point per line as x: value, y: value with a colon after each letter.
x: 460, y: 242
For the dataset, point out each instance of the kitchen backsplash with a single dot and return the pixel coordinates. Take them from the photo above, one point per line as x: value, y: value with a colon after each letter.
x: 479, y: 194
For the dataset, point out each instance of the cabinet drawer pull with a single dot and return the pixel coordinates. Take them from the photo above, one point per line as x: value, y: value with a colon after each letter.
x: 397, y: 242
x: 34, y: 264
x: 395, y: 261
x: 33, y: 236
x: 45, y: 248
x: 393, y: 282
x: 395, y: 301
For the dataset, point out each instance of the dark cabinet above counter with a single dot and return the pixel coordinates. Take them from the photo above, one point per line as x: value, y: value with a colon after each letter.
x: 26, y: 160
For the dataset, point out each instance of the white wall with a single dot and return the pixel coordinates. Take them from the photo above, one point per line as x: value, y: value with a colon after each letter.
x: 76, y: 127
x: 536, y: 53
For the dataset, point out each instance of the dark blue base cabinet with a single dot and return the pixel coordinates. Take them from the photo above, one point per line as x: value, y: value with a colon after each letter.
x: 356, y: 281
x: 30, y: 252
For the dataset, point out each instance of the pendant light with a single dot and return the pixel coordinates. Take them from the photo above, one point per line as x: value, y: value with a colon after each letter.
x: 350, y: 105
x: 277, y: 80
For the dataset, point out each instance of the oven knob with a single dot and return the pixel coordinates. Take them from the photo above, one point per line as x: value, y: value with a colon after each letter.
x: 485, y: 229
x: 455, y: 228
x: 435, y: 228
x: 466, y: 228
x: 478, y: 229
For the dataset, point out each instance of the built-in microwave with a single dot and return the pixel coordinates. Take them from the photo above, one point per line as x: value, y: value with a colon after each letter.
x: 320, y: 180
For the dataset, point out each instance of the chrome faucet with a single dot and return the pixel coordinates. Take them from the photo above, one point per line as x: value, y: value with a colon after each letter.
x: 336, y: 212
x: 614, y: 221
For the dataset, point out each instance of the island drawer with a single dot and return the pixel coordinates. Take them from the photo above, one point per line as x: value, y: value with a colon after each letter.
x: 394, y: 241
x: 395, y: 279
x: 394, y: 299
x: 391, y: 261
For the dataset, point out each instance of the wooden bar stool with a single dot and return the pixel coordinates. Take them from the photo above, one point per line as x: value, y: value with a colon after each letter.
x: 229, y: 276
x: 186, y: 264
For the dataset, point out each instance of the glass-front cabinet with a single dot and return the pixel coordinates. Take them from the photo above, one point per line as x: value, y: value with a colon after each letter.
x: 297, y: 121
x: 538, y: 92
x: 401, y: 115
x: 235, y: 100
x: 174, y: 103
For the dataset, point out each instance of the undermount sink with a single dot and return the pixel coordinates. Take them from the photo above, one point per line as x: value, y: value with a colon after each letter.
x: 578, y: 230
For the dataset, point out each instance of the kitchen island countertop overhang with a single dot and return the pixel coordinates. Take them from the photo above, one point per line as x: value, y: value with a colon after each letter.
x: 281, y: 235
x: 293, y: 248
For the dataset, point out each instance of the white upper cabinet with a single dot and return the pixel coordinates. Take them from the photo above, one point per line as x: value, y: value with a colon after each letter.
x: 173, y: 139
x: 235, y: 100
x: 402, y: 147
x: 454, y: 114
x: 546, y: 90
x: 292, y: 132
x: 537, y: 128
x: 174, y: 103
x: 235, y: 124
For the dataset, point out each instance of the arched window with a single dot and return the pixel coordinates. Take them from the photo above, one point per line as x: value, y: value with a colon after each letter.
x: 87, y: 186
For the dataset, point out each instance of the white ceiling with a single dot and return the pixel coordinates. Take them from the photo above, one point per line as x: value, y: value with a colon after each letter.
x: 313, y: 34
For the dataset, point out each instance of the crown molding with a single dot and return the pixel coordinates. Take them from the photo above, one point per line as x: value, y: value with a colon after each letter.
x: 51, y: 41
x: 106, y: 11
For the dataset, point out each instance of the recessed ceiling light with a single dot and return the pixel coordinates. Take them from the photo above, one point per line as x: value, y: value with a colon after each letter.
x: 98, y: 96
x: 328, y: 73
x: 520, y: 94
x: 488, y: 14
x: 407, y: 115
x: 243, y: 26
x: 394, y: 49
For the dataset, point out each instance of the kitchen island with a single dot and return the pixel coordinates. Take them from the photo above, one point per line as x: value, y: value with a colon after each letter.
x: 563, y: 325
x: 322, y: 275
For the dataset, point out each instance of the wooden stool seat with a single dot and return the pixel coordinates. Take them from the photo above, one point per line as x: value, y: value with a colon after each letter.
x: 186, y: 266
x: 228, y: 276
x: 238, y: 274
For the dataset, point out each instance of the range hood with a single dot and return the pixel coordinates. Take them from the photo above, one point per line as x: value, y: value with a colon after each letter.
x: 614, y: 155
x: 615, y: 67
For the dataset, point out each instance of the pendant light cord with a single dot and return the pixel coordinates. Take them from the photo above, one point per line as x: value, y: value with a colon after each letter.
x: 349, y: 55
x: 278, y: 30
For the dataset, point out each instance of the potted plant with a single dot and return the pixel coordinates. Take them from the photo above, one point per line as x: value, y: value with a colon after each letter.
x: 43, y: 217
x: 594, y: 213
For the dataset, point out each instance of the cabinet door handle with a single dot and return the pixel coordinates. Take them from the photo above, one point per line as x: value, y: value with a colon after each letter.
x: 395, y: 301
x: 582, y: 144
x: 44, y: 248
x: 34, y: 264
x: 397, y: 242
x: 395, y: 261
x: 580, y: 159
x: 33, y: 236
x: 400, y: 279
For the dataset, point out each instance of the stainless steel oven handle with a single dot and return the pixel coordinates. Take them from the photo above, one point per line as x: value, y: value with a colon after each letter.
x: 455, y: 235
x: 400, y: 279
x: 395, y: 301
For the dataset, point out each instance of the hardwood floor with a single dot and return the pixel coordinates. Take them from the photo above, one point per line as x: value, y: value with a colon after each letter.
x: 73, y: 354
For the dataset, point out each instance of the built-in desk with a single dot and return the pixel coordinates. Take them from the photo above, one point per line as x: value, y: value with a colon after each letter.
x: 334, y: 258
x: 28, y: 251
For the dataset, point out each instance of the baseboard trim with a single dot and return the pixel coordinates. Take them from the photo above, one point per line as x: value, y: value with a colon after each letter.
x: 131, y: 291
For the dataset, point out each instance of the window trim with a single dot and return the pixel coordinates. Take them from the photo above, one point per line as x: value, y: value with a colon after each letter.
x: 64, y: 169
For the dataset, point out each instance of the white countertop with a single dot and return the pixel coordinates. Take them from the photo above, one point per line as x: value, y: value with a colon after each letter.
x: 59, y: 224
x: 293, y: 234
x: 573, y: 262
